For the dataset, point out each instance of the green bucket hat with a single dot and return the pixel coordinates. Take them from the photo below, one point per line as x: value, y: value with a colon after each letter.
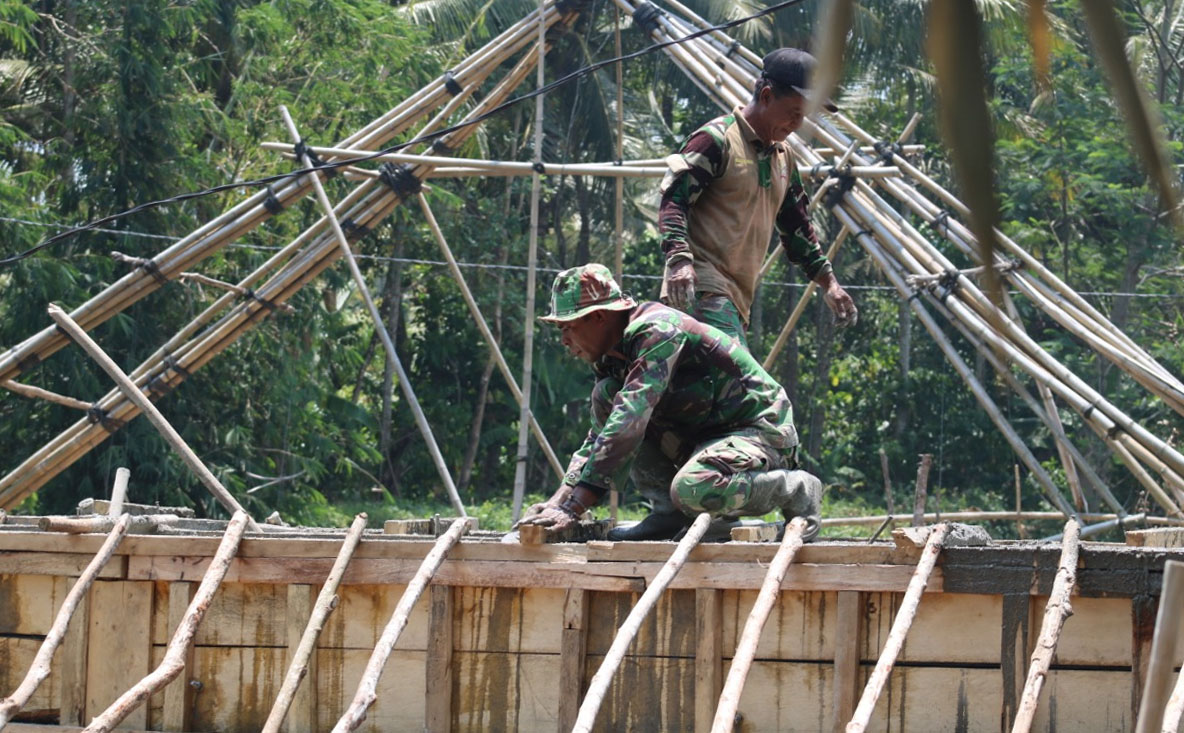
x: 581, y: 290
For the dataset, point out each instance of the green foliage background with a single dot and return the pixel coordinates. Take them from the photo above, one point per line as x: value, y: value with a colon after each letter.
x: 105, y: 104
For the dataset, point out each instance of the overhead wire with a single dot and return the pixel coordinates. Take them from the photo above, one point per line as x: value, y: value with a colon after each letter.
x: 266, y: 180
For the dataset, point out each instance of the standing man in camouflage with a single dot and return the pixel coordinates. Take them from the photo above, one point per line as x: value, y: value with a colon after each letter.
x: 732, y: 181
x: 681, y: 404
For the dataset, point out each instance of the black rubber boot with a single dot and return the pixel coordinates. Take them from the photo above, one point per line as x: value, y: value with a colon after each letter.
x: 656, y: 526
x: 798, y: 494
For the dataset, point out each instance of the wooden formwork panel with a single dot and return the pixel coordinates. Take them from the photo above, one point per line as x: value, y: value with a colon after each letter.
x: 400, y: 703
x: 647, y: 694
x: 239, y: 615
x: 29, y: 603
x: 801, y: 625
x: 363, y: 612
x: 669, y: 631
x: 949, y: 628
x: 16, y: 656
x: 504, y: 692
x: 1097, y: 634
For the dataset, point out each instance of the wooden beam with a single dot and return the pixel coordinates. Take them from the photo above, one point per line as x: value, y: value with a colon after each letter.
x: 178, y: 695
x: 1158, y: 537
x: 120, y: 645
x: 1164, y: 650
x: 848, y: 642
x: 1143, y: 611
x: 1055, y: 613
x: 1014, y: 651
x: 573, y: 645
x: 72, y: 709
x: 438, y: 672
x: 709, y: 659
x: 58, y: 563
x: 302, y: 707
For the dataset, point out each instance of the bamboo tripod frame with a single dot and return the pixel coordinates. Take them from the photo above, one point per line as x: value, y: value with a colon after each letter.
x: 900, y: 249
x: 725, y: 72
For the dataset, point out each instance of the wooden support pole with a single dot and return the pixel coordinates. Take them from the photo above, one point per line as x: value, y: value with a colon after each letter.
x: 140, y: 523
x: 889, y: 499
x: 119, y: 491
x: 729, y: 699
x: 28, y: 390
x: 709, y: 658
x: 379, y: 328
x: 572, y: 650
x: 177, y: 714
x: 367, y: 691
x: 327, y: 601
x: 1175, y: 707
x: 1014, y: 651
x: 174, y: 655
x: 1055, y: 613
x: 900, y: 629
x: 1164, y: 650
x: 39, y: 670
x: 439, y: 666
x: 848, y: 642
x: 72, y: 664
x: 598, y: 687
x: 133, y: 393
x: 922, y: 487
x: 487, y: 333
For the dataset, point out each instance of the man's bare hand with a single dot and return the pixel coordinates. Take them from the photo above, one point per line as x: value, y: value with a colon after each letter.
x: 680, y: 285
x: 841, y: 304
x: 551, y: 517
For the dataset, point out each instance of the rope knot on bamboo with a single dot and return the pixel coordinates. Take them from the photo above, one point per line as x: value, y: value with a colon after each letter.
x: 146, y: 264
x: 354, y: 231
x: 302, y: 149
x: 98, y: 416
x: 399, y: 178
x: 645, y: 17
x: 451, y: 84
x: 845, y: 182
x: 887, y: 149
x: 272, y: 202
x: 439, y: 147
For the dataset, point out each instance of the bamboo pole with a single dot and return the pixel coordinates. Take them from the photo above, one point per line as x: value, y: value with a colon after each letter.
x: 598, y: 687
x: 729, y: 699
x: 367, y: 691
x: 28, y: 390
x: 379, y: 327
x: 1175, y: 707
x: 228, y: 287
x: 531, y: 285
x: 119, y: 491
x: 1055, y: 613
x: 174, y: 655
x: 487, y: 334
x: 171, y: 436
x: 39, y: 670
x: 1165, y: 650
x: 326, y: 602
x: 900, y: 629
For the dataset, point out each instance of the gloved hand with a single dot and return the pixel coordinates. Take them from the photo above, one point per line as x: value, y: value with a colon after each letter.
x: 680, y: 285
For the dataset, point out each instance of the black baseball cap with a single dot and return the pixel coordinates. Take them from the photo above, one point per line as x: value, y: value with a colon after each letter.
x: 792, y: 68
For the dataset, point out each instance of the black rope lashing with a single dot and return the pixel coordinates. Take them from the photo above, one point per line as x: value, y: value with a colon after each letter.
x: 645, y: 17
x: 159, y: 386
x: 302, y: 149
x: 940, y: 222
x: 539, y: 168
x: 149, y: 266
x: 171, y: 362
x: 353, y: 230
x: 846, y: 181
x: 949, y: 283
x: 439, y: 147
x: 399, y: 178
x: 98, y: 416
x: 272, y: 202
x: 451, y: 84
x: 732, y: 49
x: 887, y: 149
x: 270, y: 306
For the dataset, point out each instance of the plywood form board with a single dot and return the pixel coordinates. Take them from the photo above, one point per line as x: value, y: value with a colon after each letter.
x: 120, y: 646
x: 709, y: 652
x: 238, y: 686
x: 668, y: 631
x: 16, y: 657
x: 400, y: 703
x: 1097, y: 634
x: 647, y: 694
x: 493, y: 692
x: 509, y: 619
x: 70, y: 663
x: 29, y: 604
x: 363, y: 612
x: 302, y: 713
x: 240, y: 614
x: 801, y: 625
x: 178, y: 694
x: 974, y: 620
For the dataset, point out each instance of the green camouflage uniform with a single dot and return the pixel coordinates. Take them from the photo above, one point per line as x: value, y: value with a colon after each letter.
x: 689, y: 413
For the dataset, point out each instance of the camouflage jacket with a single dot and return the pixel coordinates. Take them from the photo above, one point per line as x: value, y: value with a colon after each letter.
x: 680, y: 379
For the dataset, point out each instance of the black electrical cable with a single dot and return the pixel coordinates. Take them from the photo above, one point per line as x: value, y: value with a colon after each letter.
x: 583, y: 71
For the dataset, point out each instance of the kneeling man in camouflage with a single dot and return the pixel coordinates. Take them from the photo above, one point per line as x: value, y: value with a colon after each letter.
x: 681, y: 408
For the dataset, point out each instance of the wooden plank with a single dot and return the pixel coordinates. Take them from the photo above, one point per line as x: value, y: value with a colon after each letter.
x: 803, y: 625
x: 119, y: 653
x: 757, y: 533
x: 572, y: 657
x: 302, y: 714
x: 709, y: 651
x: 374, y: 571
x: 847, y: 682
x: 58, y: 563
x: 510, y: 619
x: 30, y: 603
x: 438, y: 672
x: 399, y: 706
x: 239, y: 685
x: 71, y: 659
x: 16, y: 658
x: 1015, y: 649
x: 583, y: 531
x: 1156, y: 537
x: 894, y: 578
x: 178, y: 696
x: 1144, y: 608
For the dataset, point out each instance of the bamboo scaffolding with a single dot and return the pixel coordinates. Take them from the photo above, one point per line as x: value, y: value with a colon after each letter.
x: 487, y: 334
x: 900, y: 629
x: 39, y: 670
x: 598, y: 687
x: 1165, y: 651
x: 28, y: 390
x: 367, y: 691
x: 229, y: 287
x: 174, y: 655
x: 1055, y: 613
x: 171, y: 436
x: 325, y: 604
x: 379, y: 327
x: 318, y: 251
x: 729, y: 699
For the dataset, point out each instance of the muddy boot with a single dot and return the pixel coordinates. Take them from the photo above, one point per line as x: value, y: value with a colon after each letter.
x: 797, y: 493
x: 720, y: 529
x: 656, y: 526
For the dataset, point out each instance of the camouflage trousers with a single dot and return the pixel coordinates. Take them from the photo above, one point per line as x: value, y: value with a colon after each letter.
x: 714, y: 475
x: 719, y: 311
